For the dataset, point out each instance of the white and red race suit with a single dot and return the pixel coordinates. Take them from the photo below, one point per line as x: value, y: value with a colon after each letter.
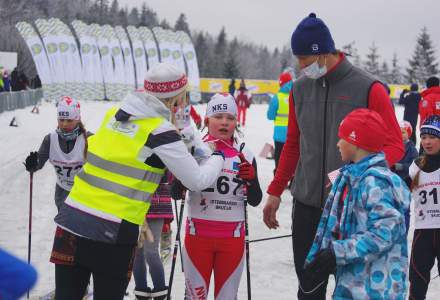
x: 214, y: 239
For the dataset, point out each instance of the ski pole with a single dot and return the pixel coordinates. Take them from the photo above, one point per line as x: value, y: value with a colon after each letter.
x: 31, y: 180
x: 246, y: 229
x: 176, y: 243
x: 270, y: 238
x: 180, y: 246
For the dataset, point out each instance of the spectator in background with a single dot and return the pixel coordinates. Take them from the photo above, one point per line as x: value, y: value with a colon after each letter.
x: 231, y: 87
x: 243, y: 99
x: 36, y: 82
x: 278, y: 111
x: 14, y: 80
x: 6, y: 81
x: 411, y: 111
x: 1, y: 83
x: 430, y: 103
x: 23, y: 81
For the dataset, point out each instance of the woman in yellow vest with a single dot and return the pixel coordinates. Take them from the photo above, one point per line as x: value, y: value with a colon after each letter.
x: 98, y: 226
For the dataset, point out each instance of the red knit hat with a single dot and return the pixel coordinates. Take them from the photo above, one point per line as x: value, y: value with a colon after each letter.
x: 407, y: 126
x: 284, y: 78
x: 364, y: 128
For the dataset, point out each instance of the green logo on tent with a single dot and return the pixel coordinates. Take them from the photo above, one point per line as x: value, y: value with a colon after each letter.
x: 165, y: 53
x: 52, y: 48
x: 36, y: 49
x: 138, y: 52
x: 85, y: 48
x: 189, y: 55
x: 127, y: 52
x: 116, y: 51
x: 176, y: 54
x: 104, y: 50
x: 152, y: 52
x: 63, y: 47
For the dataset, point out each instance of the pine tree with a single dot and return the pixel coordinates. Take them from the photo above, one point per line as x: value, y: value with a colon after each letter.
x: 220, y: 52
x: 203, y: 54
x: 148, y: 17
x: 165, y: 25
x: 351, y: 50
x: 372, y: 62
x: 133, y: 17
x: 395, y: 74
x: 231, y: 67
x: 182, y: 24
x: 102, y: 6
x: 423, y: 63
x: 114, y: 10
x: 385, y: 73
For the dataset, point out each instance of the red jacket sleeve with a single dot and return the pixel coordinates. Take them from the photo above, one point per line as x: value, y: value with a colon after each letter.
x: 195, y: 116
x: 289, y: 156
x: 379, y: 101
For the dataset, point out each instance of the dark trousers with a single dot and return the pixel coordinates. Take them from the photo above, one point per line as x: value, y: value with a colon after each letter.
x: 277, y: 153
x: 425, y: 249
x: 109, y: 264
x: 305, y: 223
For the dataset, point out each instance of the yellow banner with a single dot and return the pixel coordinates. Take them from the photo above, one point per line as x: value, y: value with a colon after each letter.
x: 255, y: 86
x: 221, y: 85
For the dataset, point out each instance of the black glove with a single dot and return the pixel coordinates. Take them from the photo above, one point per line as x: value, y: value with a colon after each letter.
x: 323, y: 265
x: 31, y: 162
x: 177, y: 190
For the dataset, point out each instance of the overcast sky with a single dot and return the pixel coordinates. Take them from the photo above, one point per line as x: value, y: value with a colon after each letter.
x: 392, y: 24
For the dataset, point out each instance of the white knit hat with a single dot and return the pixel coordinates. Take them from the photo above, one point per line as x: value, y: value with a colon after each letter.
x: 221, y: 103
x: 68, y: 109
x: 165, y: 81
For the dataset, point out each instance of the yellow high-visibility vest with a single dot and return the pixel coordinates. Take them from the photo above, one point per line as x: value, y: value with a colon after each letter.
x: 282, y: 117
x: 114, y: 181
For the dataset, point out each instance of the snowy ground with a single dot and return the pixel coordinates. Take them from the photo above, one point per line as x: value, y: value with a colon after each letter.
x: 273, y: 275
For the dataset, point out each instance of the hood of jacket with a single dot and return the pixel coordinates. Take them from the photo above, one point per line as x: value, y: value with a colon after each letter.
x: 140, y: 105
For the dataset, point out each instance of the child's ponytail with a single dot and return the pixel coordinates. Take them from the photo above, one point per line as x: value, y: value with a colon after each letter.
x: 84, y: 131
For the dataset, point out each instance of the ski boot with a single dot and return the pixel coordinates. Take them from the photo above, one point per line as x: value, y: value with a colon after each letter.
x: 159, y: 294
x: 142, y: 294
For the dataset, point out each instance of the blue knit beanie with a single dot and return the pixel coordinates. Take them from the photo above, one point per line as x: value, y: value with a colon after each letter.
x: 431, y: 126
x: 312, y: 37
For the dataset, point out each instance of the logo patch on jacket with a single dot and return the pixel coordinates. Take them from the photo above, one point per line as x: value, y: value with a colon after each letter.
x: 235, y: 166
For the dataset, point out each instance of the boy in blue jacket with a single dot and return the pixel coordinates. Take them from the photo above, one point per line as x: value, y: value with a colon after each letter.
x: 361, y: 237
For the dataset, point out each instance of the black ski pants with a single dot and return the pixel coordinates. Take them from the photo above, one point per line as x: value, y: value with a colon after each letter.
x: 109, y: 264
x: 425, y: 249
x: 304, y: 226
x: 277, y: 153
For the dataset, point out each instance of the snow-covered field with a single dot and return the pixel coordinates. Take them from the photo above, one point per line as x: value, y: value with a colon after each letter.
x: 273, y: 275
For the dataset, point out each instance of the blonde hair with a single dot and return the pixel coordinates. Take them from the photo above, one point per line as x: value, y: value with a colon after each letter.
x: 171, y: 102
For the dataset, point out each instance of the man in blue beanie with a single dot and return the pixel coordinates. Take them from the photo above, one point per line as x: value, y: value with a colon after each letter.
x: 330, y: 88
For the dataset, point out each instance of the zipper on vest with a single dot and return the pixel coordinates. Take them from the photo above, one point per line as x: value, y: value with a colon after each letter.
x: 324, y: 144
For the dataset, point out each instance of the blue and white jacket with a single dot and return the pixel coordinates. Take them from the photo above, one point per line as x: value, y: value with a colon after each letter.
x: 369, y: 241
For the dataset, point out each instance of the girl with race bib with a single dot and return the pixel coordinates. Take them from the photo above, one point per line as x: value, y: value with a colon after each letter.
x: 65, y: 148
x: 214, y: 240
x: 425, y: 175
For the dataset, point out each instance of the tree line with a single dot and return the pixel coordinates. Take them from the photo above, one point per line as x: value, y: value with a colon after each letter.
x: 219, y: 55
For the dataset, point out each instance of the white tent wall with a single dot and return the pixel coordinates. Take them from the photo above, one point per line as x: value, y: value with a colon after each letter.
x: 140, y: 60
x: 128, y: 58
x: 149, y: 45
x: 51, y: 41
x: 93, y: 87
x: 39, y: 55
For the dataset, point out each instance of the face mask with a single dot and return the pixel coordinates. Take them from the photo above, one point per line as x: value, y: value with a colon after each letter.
x: 69, y: 136
x: 314, y: 71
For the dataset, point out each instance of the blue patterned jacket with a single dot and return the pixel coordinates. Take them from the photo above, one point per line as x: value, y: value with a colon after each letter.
x: 369, y: 242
